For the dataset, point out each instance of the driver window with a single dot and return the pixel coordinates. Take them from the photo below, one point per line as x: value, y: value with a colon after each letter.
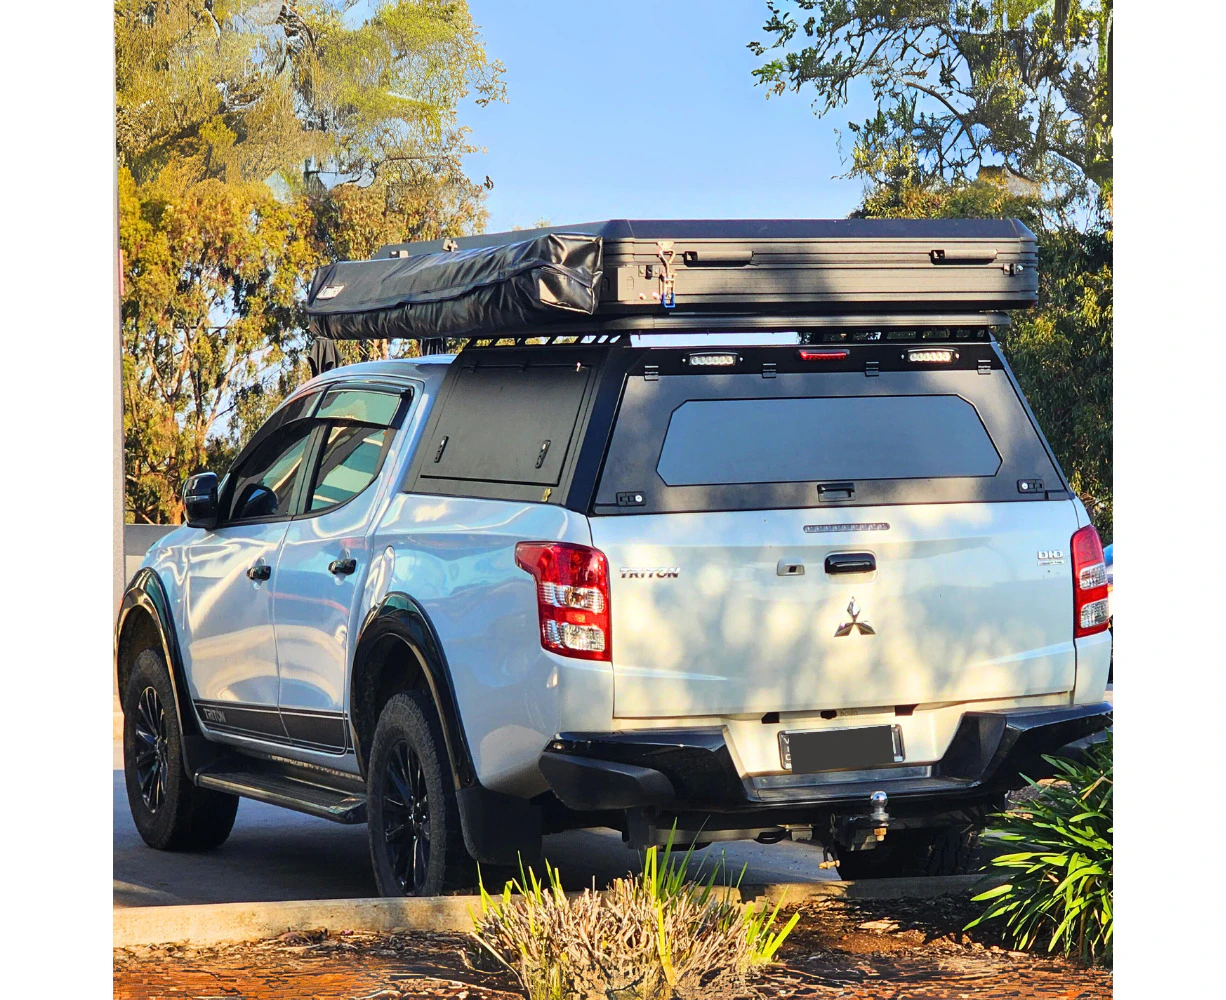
x: 264, y: 486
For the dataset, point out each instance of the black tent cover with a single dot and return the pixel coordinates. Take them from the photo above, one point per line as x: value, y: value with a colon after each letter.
x: 457, y: 293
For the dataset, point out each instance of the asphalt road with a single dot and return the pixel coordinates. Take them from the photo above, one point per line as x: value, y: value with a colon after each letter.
x: 276, y: 854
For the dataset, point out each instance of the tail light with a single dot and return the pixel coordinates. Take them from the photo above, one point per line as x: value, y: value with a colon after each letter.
x: 823, y: 353
x: 1091, y: 607
x: 572, y: 597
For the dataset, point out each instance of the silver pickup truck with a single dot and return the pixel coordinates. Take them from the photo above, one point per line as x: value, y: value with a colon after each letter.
x: 834, y: 588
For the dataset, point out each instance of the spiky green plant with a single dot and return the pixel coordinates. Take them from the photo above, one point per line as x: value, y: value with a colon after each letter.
x: 1059, y: 889
x: 656, y: 935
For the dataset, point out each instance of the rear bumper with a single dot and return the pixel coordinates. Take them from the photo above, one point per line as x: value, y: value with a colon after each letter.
x: 692, y: 771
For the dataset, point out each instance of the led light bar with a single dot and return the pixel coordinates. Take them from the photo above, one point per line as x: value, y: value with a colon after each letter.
x: 712, y: 359
x: 932, y: 356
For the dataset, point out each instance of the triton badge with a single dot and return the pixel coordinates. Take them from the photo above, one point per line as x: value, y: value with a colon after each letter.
x: 213, y: 714
x: 653, y: 573
x: 855, y: 624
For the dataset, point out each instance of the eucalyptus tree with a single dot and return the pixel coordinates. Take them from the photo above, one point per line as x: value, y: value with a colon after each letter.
x: 1024, y: 85
x: 254, y: 140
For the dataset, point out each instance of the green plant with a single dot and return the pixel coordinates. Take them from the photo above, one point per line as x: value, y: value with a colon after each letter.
x: 656, y: 935
x: 1060, y: 884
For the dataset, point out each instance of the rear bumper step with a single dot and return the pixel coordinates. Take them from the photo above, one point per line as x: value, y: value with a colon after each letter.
x: 692, y: 769
x: 280, y: 790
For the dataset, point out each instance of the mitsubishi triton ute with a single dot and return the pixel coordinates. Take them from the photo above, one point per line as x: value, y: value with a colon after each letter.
x: 819, y: 577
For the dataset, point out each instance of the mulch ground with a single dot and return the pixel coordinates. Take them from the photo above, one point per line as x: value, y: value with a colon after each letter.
x: 913, y: 949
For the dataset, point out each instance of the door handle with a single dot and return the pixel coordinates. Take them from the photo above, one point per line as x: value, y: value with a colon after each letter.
x: 260, y: 571
x: 342, y: 567
x: 851, y: 562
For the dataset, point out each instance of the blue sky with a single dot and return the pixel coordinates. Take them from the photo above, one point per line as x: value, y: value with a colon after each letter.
x: 647, y: 110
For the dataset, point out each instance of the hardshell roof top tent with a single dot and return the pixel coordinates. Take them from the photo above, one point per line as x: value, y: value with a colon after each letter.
x: 609, y: 278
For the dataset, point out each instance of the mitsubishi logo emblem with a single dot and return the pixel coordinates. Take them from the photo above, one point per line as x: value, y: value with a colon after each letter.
x: 847, y: 628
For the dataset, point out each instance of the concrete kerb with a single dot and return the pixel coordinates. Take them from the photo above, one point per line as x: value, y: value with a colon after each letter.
x: 222, y: 923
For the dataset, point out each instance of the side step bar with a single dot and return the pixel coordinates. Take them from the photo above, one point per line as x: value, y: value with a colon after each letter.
x: 281, y: 790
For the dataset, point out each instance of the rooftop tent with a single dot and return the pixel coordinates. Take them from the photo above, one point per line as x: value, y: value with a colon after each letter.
x: 661, y: 274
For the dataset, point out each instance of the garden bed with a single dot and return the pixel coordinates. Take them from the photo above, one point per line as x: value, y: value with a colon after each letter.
x: 848, y: 948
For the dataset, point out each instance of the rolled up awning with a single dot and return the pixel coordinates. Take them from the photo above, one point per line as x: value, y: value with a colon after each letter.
x: 458, y: 293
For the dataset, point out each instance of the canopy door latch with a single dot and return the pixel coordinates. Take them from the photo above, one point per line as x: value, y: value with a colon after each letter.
x: 668, y: 277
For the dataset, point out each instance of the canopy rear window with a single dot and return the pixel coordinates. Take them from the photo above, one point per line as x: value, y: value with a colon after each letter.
x: 812, y: 439
x: 741, y: 441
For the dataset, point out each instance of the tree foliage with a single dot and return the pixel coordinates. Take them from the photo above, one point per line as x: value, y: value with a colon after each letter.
x: 255, y: 140
x: 1023, y: 84
x: 993, y: 109
x: 1061, y: 350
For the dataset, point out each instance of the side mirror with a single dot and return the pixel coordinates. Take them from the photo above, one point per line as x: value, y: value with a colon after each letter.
x: 200, y: 499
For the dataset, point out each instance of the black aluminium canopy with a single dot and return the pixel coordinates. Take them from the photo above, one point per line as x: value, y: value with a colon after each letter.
x: 584, y: 275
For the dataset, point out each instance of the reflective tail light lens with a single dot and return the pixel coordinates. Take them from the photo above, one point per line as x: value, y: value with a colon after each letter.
x: 572, y: 597
x: 1091, y: 605
x: 824, y: 353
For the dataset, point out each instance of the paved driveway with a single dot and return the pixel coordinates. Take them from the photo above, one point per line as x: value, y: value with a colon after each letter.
x: 277, y: 854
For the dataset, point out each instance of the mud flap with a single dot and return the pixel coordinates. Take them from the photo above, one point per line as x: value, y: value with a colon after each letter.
x: 499, y: 829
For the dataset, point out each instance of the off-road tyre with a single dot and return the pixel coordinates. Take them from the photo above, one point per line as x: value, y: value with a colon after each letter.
x: 416, y: 842
x: 170, y: 812
x: 945, y: 850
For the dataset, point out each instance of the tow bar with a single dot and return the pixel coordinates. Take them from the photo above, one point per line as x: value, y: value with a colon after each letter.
x: 863, y: 833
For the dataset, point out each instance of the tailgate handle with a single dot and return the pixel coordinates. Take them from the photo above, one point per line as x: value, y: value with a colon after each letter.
x: 851, y: 562
x: 962, y: 255
x: 835, y: 491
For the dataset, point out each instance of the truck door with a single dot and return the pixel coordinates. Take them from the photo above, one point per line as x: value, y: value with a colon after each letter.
x: 324, y: 559
x: 229, y: 579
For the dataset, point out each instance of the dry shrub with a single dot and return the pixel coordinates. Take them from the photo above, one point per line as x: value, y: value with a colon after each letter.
x: 651, y: 937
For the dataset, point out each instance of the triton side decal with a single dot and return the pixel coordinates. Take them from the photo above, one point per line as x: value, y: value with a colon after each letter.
x: 657, y: 573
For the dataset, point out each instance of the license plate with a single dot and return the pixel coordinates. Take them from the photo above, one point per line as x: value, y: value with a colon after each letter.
x: 841, y: 749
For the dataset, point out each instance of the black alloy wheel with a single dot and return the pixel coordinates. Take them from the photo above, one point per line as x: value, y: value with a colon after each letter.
x: 170, y: 811
x: 412, y: 812
x: 152, y: 758
x: 406, y: 818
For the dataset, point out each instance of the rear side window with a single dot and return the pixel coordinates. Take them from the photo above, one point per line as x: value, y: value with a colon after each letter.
x: 366, y: 406
x: 351, y: 459
x: 358, y: 426
x: 813, y: 439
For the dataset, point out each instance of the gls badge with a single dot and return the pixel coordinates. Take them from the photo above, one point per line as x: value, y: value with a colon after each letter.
x: 855, y: 624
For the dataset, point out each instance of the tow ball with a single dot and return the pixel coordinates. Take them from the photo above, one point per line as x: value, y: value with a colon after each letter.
x: 879, y: 817
x: 861, y: 832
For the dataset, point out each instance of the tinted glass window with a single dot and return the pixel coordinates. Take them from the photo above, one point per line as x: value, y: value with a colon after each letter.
x: 264, y: 485
x: 723, y: 441
x: 359, y: 404
x: 352, y: 454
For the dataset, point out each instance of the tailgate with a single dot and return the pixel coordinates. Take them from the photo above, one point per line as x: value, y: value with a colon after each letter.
x: 729, y: 612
